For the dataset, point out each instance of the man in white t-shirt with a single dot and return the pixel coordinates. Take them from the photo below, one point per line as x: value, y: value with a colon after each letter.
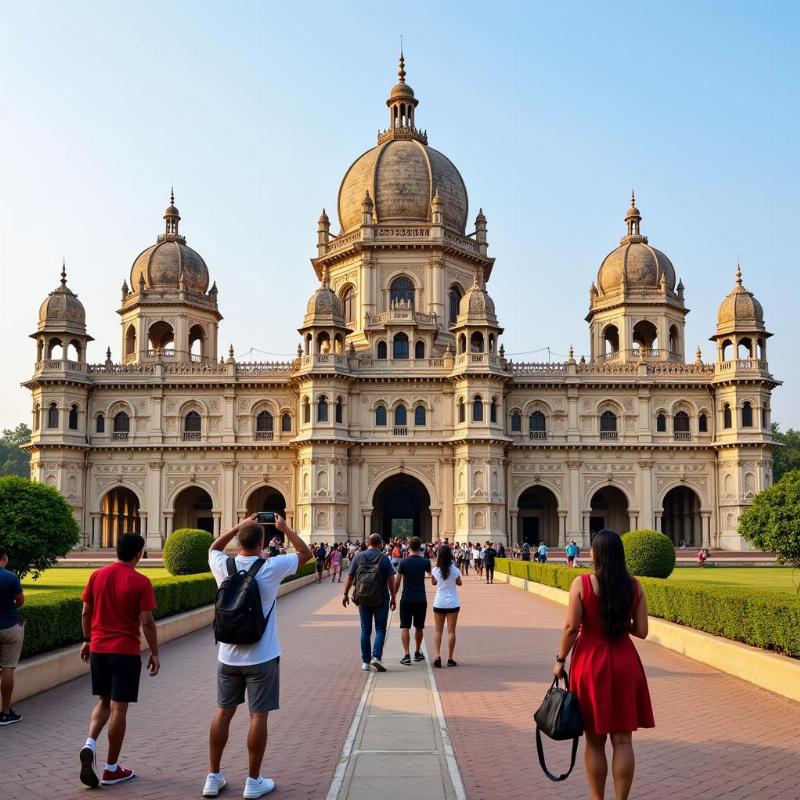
x: 254, y: 667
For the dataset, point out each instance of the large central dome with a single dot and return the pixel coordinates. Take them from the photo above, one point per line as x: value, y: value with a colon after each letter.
x: 402, y: 174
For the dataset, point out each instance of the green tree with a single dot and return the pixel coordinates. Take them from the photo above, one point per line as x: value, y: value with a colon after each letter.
x: 37, y: 525
x: 772, y: 523
x: 13, y: 459
x: 785, y: 458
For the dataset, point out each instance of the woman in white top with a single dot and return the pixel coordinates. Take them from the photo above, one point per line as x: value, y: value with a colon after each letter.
x: 445, y: 576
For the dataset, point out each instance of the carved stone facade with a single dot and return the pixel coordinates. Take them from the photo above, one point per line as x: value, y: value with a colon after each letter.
x: 401, y: 411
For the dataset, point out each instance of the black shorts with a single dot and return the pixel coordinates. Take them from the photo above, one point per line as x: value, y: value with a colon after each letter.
x: 116, y: 675
x: 320, y: 566
x: 412, y: 612
x: 446, y: 610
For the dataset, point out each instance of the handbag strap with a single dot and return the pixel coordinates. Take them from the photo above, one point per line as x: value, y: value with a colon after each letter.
x: 540, y: 753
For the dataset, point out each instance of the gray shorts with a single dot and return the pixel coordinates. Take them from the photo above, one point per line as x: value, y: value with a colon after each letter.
x: 11, y: 646
x: 262, y: 682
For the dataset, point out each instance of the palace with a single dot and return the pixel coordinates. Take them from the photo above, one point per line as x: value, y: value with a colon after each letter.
x: 401, y: 411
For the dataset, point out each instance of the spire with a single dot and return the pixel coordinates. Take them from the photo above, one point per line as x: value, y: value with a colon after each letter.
x: 63, y: 271
x: 632, y: 217
x: 401, y: 65
x: 366, y: 209
x: 402, y: 104
x: 326, y: 277
x: 738, y: 274
x: 171, y: 216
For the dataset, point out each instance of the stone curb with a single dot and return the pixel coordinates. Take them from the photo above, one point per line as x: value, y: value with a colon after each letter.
x: 776, y: 673
x: 47, y: 670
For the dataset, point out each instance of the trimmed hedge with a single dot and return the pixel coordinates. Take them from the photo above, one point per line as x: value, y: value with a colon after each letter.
x: 53, y: 619
x: 649, y: 554
x: 761, y: 619
x: 186, y: 551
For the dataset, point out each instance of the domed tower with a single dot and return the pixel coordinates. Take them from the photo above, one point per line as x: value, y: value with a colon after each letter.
x: 742, y: 390
x: 636, y: 310
x: 323, y: 329
x: 168, y: 311
x: 476, y: 330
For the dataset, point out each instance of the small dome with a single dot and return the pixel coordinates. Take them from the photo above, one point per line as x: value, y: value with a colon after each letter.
x: 740, y: 310
x: 476, y: 306
x: 160, y: 265
x: 62, y: 309
x: 402, y: 176
x: 324, y: 307
x: 641, y: 264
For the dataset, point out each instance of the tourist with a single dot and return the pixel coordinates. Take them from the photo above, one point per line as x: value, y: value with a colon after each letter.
x: 501, y: 550
x: 701, y: 557
x: 254, y: 668
x: 542, y: 553
x: 606, y: 673
x: 467, y: 556
x: 478, y: 552
x: 572, y: 552
x: 12, y: 632
x: 374, y: 595
x: 117, y: 600
x: 526, y: 551
x: 489, y: 555
x: 320, y: 554
x: 397, y: 554
x: 445, y: 576
x: 411, y: 573
x: 335, y: 559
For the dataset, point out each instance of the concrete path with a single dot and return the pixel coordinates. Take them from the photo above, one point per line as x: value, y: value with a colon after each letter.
x: 398, y: 747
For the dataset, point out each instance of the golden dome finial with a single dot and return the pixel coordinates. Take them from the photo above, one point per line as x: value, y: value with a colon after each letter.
x: 401, y: 68
x: 738, y: 274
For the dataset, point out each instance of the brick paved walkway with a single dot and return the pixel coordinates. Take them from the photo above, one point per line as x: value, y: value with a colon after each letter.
x: 716, y: 736
x: 166, y: 742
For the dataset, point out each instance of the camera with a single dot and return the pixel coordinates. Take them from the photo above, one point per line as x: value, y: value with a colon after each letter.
x: 266, y: 518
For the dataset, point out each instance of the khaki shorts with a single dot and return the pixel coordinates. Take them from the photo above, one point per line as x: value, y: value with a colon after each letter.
x: 11, y: 646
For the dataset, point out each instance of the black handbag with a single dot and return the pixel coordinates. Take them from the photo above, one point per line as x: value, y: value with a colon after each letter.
x: 559, y: 718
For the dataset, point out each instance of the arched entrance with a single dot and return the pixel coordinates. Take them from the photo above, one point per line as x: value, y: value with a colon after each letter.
x: 192, y: 509
x: 537, y: 519
x: 119, y: 513
x: 681, y: 518
x: 266, y: 499
x: 609, y: 510
x: 401, y: 506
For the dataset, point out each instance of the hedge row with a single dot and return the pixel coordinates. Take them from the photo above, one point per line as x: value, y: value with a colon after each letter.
x: 761, y: 619
x: 53, y: 619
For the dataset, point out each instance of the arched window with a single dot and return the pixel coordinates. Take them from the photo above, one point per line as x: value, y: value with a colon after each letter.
x: 322, y: 409
x: 680, y: 423
x: 611, y: 340
x: 462, y: 415
x: 130, y: 341
x: 516, y: 422
x: 306, y: 411
x: 100, y: 424
x: 382, y: 349
x: 456, y: 293
x: 661, y: 423
x: 122, y: 422
x: 419, y: 415
x: 727, y: 419
x: 338, y: 413
x: 702, y: 423
x: 419, y: 349
x: 197, y: 342
x: 264, y: 422
x: 400, y: 346
x: 191, y: 422
x: 538, y: 422
x: 349, y: 304
x: 52, y: 416
x: 493, y: 410
x: 608, y: 422
x: 402, y: 290
x: 747, y: 414
x: 380, y: 416
x: 476, y: 342
x: 73, y: 418
x: 286, y: 423
x: 764, y: 417
x: 400, y: 416
x: 36, y: 416
x: 477, y: 409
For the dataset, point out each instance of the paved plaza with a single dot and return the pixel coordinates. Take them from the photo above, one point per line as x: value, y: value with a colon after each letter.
x: 716, y: 736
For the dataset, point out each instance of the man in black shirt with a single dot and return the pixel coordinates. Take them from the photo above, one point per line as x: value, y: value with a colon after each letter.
x: 489, y: 555
x: 413, y: 602
x: 320, y: 554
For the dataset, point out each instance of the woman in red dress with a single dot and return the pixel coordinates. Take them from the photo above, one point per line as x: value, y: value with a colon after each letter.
x: 606, y: 674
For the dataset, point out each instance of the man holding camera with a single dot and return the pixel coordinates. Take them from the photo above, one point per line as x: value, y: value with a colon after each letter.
x: 252, y: 667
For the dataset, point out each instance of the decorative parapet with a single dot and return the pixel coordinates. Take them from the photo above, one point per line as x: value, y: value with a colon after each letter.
x: 400, y: 314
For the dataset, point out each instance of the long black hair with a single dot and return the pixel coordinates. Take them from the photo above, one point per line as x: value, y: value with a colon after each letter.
x: 616, y: 587
x: 444, y: 560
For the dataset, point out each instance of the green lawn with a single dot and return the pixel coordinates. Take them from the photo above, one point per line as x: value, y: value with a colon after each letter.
x: 770, y: 579
x: 64, y: 578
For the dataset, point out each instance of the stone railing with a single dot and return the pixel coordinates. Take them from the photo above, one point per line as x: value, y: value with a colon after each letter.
x: 534, y: 368
x: 476, y: 359
x: 609, y: 435
x: 192, y: 368
x: 742, y: 363
x: 191, y: 436
x: 400, y: 315
x: 265, y: 367
x: 119, y: 436
x: 538, y: 434
x: 342, y: 242
x: 61, y: 364
x: 166, y: 353
x: 121, y: 369
x: 609, y: 368
x: 264, y: 436
x: 667, y: 368
x: 682, y: 436
x: 462, y: 242
x: 406, y: 232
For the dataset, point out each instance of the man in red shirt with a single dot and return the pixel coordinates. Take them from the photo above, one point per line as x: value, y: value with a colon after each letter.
x: 116, y: 600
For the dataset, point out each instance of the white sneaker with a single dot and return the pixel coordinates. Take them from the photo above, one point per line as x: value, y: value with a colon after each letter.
x: 376, y: 662
x: 259, y: 788
x: 214, y: 784
x: 365, y: 667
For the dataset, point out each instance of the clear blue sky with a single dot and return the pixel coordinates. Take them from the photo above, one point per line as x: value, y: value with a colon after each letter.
x: 551, y: 111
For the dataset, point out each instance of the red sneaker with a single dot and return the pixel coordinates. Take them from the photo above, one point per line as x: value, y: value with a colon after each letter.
x: 89, y: 776
x: 119, y: 775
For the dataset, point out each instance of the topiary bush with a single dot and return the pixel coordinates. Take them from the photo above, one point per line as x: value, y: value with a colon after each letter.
x: 649, y: 554
x: 37, y: 525
x: 186, y: 551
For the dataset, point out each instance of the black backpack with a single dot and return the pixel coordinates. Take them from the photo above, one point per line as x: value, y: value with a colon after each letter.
x: 238, y: 614
x: 370, y: 590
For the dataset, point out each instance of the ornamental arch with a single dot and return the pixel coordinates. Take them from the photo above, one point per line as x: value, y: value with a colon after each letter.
x: 537, y: 516
x: 119, y: 513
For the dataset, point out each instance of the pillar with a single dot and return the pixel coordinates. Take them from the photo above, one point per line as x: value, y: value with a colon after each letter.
x: 576, y: 525
x: 632, y: 520
x: 705, y: 517
x: 657, y: 514
x: 217, y: 522
x: 562, y: 528
x: 435, y: 513
x: 228, y: 504
x: 513, y: 534
x: 96, y: 528
x: 646, y: 494
x: 169, y: 517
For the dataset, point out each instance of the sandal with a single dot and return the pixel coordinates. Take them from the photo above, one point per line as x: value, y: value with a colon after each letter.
x: 451, y: 663
x: 437, y: 662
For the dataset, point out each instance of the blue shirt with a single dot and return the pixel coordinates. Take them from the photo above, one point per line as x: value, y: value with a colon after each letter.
x: 10, y: 587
